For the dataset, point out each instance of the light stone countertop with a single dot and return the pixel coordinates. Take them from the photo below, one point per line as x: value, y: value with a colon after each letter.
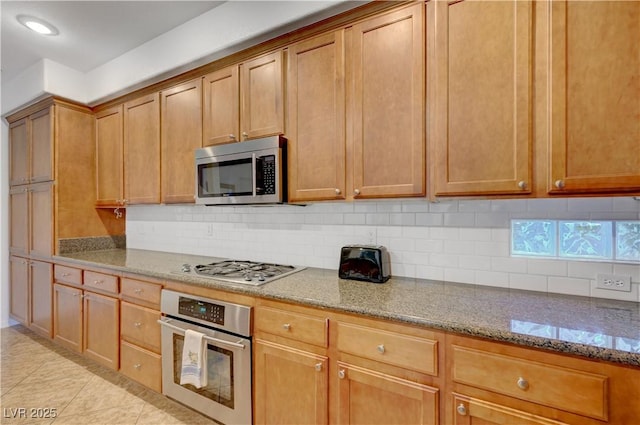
x: 594, y: 328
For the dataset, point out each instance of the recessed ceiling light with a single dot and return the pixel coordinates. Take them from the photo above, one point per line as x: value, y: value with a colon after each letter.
x: 38, y: 25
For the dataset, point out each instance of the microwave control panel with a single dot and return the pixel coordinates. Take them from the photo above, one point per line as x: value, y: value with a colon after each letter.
x: 269, y: 174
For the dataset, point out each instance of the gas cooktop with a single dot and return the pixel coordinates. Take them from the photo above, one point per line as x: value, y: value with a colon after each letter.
x: 246, y: 272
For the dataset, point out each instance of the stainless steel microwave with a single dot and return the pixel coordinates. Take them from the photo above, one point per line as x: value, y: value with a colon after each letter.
x: 251, y: 172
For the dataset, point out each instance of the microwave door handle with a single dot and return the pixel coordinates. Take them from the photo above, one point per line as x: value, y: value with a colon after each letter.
x: 255, y: 176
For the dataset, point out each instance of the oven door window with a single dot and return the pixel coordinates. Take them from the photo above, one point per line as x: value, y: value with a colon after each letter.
x: 220, y: 387
x: 226, y: 178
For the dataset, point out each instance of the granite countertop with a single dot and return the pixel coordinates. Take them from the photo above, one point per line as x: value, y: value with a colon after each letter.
x: 590, y: 327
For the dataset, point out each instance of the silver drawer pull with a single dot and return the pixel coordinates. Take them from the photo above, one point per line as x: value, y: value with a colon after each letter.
x: 66, y: 274
x: 318, y: 367
x: 138, y: 291
x: 523, y: 384
x: 462, y: 410
x: 137, y: 366
x: 137, y: 324
x: 286, y: 326
x: 97, y: 282
x: 341, y: 374
x: 381, y: 349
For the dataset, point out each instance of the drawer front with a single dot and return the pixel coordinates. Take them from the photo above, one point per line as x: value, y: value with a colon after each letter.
x: 410, y: 352
x: 65, y: 274
x: 140, y: 326
x: 309, y: 329
x: 562, y: 388
x: 138, y: 290
x: 100, y: 281
x: 141, y: 365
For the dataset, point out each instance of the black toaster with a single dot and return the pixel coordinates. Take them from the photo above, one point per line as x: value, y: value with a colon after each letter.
x: 365, y: 262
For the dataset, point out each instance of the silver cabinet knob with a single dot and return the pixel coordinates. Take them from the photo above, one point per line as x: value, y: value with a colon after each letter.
x: 137, y: 324
x: 381, y: 348
x: 245, y: 134
x: 559, y: 184
x: 356, y: 192
x: 522, y: 184
x: 318, y: 367
x: 232, y: 136
x: 523, y: 384
x: 286, y: 326
x: 137, y: 366
x: 66, y: 274
x: 338, y: 191
x: 137, y: 291
x: 341, y: 374
x: 462, y: 410
x: 97, y: 282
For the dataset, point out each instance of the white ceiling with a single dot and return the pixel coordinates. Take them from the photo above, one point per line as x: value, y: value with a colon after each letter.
x: 91, y: 32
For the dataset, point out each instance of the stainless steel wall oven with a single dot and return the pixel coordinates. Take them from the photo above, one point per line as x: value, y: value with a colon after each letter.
x: 227, y: 334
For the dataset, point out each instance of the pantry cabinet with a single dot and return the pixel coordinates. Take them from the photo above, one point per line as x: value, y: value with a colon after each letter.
x: 181, y: 134
x: 481, y: 103
x: 31, y: 220
x: 387, y: 83
x: 316, y: 119
x: 109, y: 173
x: 291, y: 366
x: 595, y: 86
x: 244, y: 101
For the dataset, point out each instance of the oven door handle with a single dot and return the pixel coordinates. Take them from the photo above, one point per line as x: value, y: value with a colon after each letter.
x: 208, y: 338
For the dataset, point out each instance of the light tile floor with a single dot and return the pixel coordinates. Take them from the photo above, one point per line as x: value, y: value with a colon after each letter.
x: 37, y: 375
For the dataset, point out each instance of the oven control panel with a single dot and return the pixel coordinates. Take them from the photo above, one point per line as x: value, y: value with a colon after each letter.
x: 202, y: 310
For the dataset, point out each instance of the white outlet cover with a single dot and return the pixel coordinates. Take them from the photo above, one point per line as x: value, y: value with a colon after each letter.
x: 614, y: 282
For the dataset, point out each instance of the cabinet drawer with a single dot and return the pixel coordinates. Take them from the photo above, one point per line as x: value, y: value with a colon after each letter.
x: 140, y: 326
x: 309, y: 329
x: 69, y: 275
x: 566, y: 389
x: 137, y: 290
x: 141, y: 365
x: 100, y: 281
x: 396, y: 349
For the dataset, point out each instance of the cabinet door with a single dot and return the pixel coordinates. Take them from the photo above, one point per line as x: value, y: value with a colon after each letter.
x: 389, y: 105
x: 19, y: 289
x: 101, y: 329
x: 368, y: 397
x: 67, y: 317
x: 41, y: 152
x: 142, y: 150
x: 221, y: 107
x: 109, y: 157
x: 41, y: 279
x: 482, y: 111
x: 291, y: 386
x: 595, y: 87
x: 19, y: 152
x: 41, y: 220
x: 19, y: 220
x: 262, y: 90
x: 181, y: 135
x: 316, y: 118
x: 470, y: 411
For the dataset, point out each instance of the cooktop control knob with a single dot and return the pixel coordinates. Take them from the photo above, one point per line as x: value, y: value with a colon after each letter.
x: 186, y: 268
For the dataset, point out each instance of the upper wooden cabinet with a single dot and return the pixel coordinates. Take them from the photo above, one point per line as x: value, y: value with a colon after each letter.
x: 388, y: 104
x: 595, y: 92
x: 481, y: 100
x: 142, y: 150
x: 181, y: 134
x: 316, y: 118
x: 31, y: 148
x: 109, y: 175
x: 244, y: 101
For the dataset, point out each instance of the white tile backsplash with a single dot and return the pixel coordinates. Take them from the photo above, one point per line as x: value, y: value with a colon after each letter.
x: 454, y: 240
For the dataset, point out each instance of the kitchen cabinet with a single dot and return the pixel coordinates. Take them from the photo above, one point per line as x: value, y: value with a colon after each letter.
x: 316, y: 118
x: 595, y: 86
x: 181, y: 134
x: 140, y: 347
x: 31, y: 148
x: 291, y: 366
x: 86, y: 314
x: 385, y: 375
x: 31, y: 297
x: 109, y: 157
x: 31, y: 220
x: 481, y: 102
x: 244, y: 101
x: 535, y: 387
x: 387, y: 83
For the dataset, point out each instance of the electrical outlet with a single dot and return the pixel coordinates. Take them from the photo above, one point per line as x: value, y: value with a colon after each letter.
x: 613, y: 282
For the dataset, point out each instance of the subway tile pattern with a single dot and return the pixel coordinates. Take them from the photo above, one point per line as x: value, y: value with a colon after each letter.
x: 466, y: 241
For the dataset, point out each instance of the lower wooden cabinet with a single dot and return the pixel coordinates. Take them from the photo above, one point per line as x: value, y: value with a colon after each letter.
x: 101, y: 329
x: 370, y: 397
x: 67, y: 317
x: 30, y: 294
x: 141, y: 365
x: 291, y: 386
x: 470, y: 411
x: 19, y: 289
